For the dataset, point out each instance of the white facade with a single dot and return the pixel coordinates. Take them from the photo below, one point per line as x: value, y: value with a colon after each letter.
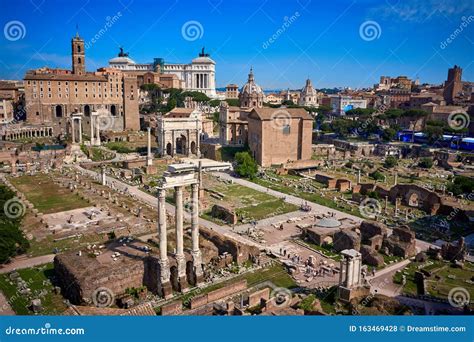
x: 179, y: 132
x: 199, y: 75
x: 341, y: 104
x: 308, y: 95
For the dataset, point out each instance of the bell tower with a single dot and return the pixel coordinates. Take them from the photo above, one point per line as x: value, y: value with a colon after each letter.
x: 78, y: 55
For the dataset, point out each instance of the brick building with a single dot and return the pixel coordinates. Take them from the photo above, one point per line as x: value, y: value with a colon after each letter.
x: 52, y: 95
x: 277, y: 135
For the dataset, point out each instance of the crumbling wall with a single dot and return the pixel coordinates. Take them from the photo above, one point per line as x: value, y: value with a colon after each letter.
x: 240, y: 252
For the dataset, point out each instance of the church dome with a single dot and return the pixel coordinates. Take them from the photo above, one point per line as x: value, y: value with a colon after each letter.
x: 308, y: 88
x: 251, y: 87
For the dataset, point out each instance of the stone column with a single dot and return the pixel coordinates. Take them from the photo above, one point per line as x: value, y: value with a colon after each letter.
x: 72, y: 129
x: 166, y: 289
x: 92, y: 129
x: 395, y: 182
x: 103, y: 177
x: 350, y: 273
x: 358, y: 176
x: 396, y: 206
x: 196, y: 252
x: 80, y: 131
x: 149, y: 159
x: 97, y: 127
x: 180, y: 259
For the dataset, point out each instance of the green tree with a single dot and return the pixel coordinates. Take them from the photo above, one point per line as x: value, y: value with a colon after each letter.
x: 461, y: 185
x: 389, y: 134
x: 246, y: 165
x: 390, y: 162
x: 377, y: 175
x: 233, y: 102
x: 12, y: 240
x: 426, y: 163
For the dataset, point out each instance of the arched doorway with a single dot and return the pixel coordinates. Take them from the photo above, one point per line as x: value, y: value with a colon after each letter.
x: 59, y: 111
x: 191, y: 275
x: 113, y: 110
x: 87, y: 110
x: 174, y: 278
x: 181, y: 145
x: 168, y: 149
x: 193, y: 148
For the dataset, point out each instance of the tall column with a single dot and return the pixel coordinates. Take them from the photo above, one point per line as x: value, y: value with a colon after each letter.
x: 196, y: 252
x: 73, y: 133
x: 350, y: 273
x: 162, y: 231
x: 97, y: 127
x: 92, y: 129
x: 80, y: 131
x: 149, y: 159
x: 180, y: 259
x: 103, y: 177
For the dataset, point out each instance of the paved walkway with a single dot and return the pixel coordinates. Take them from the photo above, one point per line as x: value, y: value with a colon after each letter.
x: 287, y: 198
x: 25, y: 262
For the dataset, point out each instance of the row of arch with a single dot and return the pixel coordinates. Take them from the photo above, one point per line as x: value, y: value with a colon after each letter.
x: 181, y: 147
x: 87, y: 109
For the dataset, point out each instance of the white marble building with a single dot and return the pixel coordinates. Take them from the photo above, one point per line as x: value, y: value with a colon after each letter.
x: 179, y: 132
x: 199, y: 75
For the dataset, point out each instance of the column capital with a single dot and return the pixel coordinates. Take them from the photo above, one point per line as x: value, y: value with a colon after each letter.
x: 161, y: 193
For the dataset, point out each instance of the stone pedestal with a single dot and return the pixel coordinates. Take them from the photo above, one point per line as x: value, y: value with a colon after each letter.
x: 151, y: 170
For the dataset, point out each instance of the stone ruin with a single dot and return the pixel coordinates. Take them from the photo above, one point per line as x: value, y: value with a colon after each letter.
x: 371, y: 238
x: 225, y: 214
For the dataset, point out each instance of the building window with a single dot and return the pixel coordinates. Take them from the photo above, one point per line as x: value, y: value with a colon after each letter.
x: 286, y: 129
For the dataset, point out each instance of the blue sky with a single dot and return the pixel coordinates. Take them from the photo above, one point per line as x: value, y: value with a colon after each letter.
x: 323, y: 40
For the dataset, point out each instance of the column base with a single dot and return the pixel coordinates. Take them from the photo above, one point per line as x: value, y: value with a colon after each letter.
x: 183, y: 284
x: 167, y: 290
x: 199, y: 279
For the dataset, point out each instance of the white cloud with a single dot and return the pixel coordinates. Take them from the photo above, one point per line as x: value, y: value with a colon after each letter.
x: 422, y: 10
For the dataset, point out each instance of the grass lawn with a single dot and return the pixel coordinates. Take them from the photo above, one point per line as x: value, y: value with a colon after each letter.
x: 46, y: 196
x: 443, y: 278
x: 253, y: 204
x: 37, y: 279
x: 312, y: 197
x: 248, y: 204
x: 47, y: 245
